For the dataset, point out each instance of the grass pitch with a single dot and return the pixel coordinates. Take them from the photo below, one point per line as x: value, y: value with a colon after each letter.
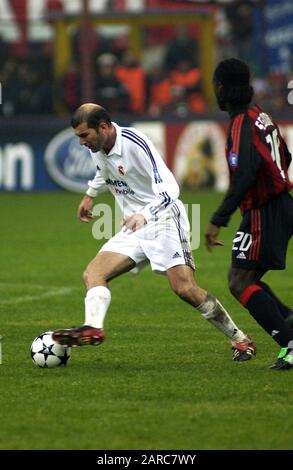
x: 164, y: 378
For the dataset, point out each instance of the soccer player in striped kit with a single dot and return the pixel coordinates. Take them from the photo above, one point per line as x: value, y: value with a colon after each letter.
x: 155, y: 228
x: 258, y: 161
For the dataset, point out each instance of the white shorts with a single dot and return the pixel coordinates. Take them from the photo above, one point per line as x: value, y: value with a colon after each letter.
x: 164, y: 243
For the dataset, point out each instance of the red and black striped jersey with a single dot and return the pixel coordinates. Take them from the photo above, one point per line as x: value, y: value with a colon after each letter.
x: 258, y: 161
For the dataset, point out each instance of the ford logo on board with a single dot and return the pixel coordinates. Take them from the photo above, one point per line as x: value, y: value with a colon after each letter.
x: 68, y: 163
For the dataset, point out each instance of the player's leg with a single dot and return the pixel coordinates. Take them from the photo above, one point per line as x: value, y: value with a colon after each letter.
x: 104, y: 267
x: 285, y: 310
x: 254, y: 277
x: 119, y: 255
x: 243, y: 284
x: 170, y: 252
x: 182, y: 282
x: 279, y: 219
x: 260, y: 245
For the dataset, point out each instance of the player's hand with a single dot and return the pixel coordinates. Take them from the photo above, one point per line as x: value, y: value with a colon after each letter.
x: 84, y: 212
x: 134, y: 222
x: 211, y: 235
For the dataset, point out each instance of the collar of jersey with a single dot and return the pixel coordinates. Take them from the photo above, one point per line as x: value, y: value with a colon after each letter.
x: 116, y: 149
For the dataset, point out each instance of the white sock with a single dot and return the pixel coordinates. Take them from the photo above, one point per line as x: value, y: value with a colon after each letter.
x: 213, y: 311
x: 97, y: 302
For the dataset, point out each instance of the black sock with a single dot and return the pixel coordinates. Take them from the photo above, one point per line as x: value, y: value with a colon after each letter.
x: 284, y: 309
x: 265, y: 311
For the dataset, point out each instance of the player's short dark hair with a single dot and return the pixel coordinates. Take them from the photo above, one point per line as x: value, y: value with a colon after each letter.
x: 93, y: 116
x: 234, y: 75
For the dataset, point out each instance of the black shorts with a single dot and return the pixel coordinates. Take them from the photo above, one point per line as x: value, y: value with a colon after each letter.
x: 261, y: 241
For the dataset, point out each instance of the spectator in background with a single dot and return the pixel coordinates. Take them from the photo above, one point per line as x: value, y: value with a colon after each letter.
x: 71, y: 87
x: 177, y: 92
x: 33, y: 91
x: 109, y: 90
x: 119, y: 45
x: 158, y: 91
x: 182, y: 47
x: 131, y: 74
x: 96, y: 44
x: 186, y: 80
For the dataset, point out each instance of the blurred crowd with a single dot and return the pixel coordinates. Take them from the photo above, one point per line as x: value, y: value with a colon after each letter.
x: 170, y: 83
x: 165, y: 81
x: 122, y: 83
x: 26, y: 81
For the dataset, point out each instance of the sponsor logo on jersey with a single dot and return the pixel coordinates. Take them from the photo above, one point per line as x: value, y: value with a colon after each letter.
x: 233, y: 159
x: 121, y: 170
x: 119, y: 184
x: 68, y: 163
x: 241, y: 255
x: 116, y: 183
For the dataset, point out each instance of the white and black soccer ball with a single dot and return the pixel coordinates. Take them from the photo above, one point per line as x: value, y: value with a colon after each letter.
x: 45, y: 352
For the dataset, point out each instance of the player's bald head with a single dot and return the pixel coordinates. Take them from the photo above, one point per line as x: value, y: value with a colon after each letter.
x: 87, y: 108
x: 91, y: 114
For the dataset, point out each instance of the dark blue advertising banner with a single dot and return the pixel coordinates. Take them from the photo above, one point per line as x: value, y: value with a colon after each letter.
x: 42, y: 156
x: 278, y: 15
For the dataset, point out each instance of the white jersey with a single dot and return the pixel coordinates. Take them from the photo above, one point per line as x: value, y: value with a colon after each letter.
x: 137, y: 176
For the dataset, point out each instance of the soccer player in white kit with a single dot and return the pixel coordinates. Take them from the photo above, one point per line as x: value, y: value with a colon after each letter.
x: 155, y: 228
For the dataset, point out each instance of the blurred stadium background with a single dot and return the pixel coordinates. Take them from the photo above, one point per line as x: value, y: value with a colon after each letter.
x: 149, y: 62
x: 164, y: 379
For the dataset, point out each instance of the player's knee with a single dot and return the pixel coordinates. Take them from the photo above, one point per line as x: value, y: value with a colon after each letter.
x: 94, y: 275
x: 88, y: 276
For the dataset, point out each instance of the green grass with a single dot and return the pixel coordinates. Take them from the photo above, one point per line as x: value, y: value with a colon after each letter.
x: 164, y: 378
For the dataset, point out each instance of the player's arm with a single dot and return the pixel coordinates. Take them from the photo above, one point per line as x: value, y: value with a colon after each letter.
x: 95, y: 187
x: 84, y: 212
x: 243, y: 177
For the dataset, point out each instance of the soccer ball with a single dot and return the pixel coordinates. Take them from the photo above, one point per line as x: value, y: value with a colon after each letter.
x: 45, y: 352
